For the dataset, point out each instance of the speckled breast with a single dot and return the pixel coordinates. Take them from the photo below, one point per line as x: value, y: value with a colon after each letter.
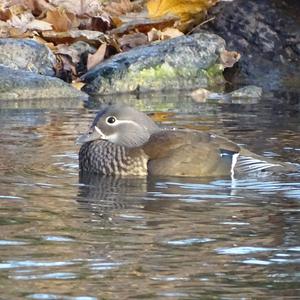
x: 106, y: 158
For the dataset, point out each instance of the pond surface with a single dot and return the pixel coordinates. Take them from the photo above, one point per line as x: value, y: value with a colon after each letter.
x: 170, y: 238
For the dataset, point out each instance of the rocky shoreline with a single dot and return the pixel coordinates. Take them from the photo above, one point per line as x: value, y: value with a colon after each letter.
x: 269, y: 58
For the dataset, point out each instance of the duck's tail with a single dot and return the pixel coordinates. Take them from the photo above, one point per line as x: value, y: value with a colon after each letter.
x: 252, y: 164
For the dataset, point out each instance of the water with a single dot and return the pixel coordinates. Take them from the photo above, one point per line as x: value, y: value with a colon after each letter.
x: 168, y: 238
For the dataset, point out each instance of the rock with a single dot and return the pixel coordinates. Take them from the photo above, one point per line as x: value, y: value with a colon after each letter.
x: 201, y: 95
x: 185, y: 62
x: 267, y: 35
x: 245, y: 94
x: 16, y: 84
x: 28, y: 55
x: 82, y: 48
x: 250, y: 91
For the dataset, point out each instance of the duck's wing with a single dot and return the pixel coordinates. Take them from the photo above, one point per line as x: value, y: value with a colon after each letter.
x: 190, y: 153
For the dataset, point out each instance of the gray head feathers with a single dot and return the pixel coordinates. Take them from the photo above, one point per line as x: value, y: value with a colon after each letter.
x: 122, y: 125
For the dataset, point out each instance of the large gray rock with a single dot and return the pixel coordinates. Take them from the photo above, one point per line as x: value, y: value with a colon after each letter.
x: 25, y: 54
x: 267, y: 34
x: 16, y: 84
x: 181, y: 63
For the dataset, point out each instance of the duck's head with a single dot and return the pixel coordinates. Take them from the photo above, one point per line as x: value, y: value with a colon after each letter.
x: 121, y: 125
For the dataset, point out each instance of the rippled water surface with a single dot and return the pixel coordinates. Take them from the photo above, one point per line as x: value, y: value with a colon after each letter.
x: 167, y: 238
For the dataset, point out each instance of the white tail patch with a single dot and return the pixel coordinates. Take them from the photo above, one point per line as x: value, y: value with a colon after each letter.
x: 233, y: 164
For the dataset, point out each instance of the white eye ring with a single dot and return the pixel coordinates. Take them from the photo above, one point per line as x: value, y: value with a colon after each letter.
x: 111, y: 120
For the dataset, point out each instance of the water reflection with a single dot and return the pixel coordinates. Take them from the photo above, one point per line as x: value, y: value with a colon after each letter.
x: 102, y: 195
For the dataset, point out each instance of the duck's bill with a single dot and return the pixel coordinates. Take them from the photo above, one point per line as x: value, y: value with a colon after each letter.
x: 93, y: 134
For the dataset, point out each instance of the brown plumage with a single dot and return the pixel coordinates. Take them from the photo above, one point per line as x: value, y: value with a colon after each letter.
x: 124, y: 141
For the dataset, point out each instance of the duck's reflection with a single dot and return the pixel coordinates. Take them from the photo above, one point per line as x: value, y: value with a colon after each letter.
x: 104, y: 194
x: 215, y: 205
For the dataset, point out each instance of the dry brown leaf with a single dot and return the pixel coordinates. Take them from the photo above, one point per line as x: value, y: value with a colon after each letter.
x: 153, y: 35
x: 97, y: 57
x: 38, y: 7
x: 122, y: 7
x: 21, y: 21
x: 170, y: 33
x: 129, y: 41
x: 134, y: 24
x: 5, y: 14
x: 186, y: 10
x: 73, y: 35
x: 39, y: 25
x: 101, y: 23
x: 80, y: 7
x: 16, y: 10
x: 35, y: 6
x: 117, y: 21
x: 18, y: 33
x: 229, y: 58
x: 167, y: 33
x: 71, y: 52
x: 40, y: 40
x: 4, y: 29
x: 60, y: 19
x: 64, y: 68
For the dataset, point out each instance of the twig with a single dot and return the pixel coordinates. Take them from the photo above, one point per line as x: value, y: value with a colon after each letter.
x: 199, y: 25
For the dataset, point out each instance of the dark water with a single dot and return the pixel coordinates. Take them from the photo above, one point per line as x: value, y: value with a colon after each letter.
x: 167, y: 238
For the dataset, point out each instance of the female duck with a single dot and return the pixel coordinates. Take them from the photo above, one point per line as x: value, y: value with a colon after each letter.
x: 124, y: 141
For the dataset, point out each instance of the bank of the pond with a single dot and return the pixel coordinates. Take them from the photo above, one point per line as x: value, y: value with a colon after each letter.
x: 186, y: 62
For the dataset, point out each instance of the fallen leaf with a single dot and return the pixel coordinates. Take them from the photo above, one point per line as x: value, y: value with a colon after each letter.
x: 39, y: 7
x: 186, y: 10
x: 80, y: 7
x: 143, y: 24
x: 40, y: 40
x: 116, y: 21
x: 129, y: 41
x: 169, y: 33
x: 73, y: 35
x: 19, y: 33
x: 122, y: 7
x: 4, y: 29
x: 97, y: 57
x: 5, y: 14
x: 60, y: 19
x: 64, y: 68
x: 39, y: 25
x: 71, y: 52
x: 165, y: 34
x: 101, y: 23
x: 153, y: 35
x: 229, y: 58
x: 17, y: 9
x: 78, y: 84
x: 35, y: 6
x: 21, y: 21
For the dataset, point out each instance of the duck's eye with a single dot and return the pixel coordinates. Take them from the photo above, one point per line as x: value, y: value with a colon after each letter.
x: 111, y: 120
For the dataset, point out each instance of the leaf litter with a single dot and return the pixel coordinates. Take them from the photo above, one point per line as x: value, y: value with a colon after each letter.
x: 83, y: 33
